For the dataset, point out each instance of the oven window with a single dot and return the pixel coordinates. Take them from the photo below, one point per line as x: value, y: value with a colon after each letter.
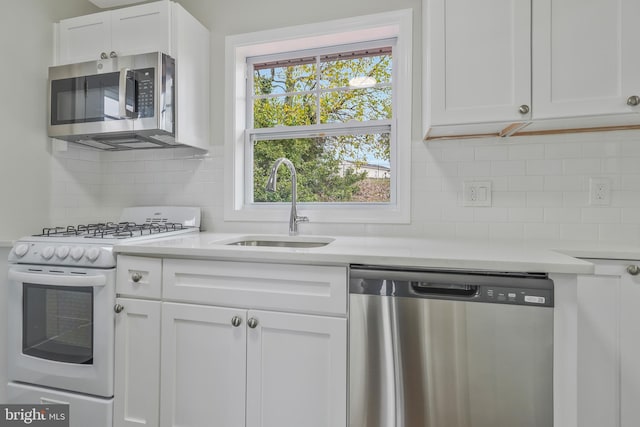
x: 57, y: 323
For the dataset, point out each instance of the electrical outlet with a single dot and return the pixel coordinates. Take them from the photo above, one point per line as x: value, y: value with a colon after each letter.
x: 476, y: 193
x: 599, y: 191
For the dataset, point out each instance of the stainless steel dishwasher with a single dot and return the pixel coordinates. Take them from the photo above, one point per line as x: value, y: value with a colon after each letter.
x: 450, y: 348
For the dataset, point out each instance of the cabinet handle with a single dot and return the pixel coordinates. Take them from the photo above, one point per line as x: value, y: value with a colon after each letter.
x: 236, y: 321
x: 633, y: 100
x: 113, y: 54
x: 136, y: 277
x: 252, y: 323
x: 633, y: 270
x: 118, y: 308
x: 524, y: 109
x: 103, y: 55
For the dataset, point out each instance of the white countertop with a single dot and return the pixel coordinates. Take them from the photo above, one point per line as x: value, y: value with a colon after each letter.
x: 401, y: 252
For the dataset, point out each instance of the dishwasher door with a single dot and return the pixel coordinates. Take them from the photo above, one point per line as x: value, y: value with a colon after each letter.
x: 445, y: 349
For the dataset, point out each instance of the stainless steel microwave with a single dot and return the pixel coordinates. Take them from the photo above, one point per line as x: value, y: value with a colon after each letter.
x: 118, y: 103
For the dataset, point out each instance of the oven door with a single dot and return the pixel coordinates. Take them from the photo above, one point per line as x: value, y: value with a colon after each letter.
x: 61, y: 331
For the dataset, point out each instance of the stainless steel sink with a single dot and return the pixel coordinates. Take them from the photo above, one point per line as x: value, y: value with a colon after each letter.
x: 281, y: 242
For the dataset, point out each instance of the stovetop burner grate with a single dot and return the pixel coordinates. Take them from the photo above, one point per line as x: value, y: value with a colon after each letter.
x: 120, y: 230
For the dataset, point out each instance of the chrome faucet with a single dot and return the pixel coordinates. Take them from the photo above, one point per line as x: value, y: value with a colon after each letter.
x: 294, y: 219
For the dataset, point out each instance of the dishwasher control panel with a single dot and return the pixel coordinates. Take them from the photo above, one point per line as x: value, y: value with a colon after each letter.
x: 524, y: 289
x: 518, y: 296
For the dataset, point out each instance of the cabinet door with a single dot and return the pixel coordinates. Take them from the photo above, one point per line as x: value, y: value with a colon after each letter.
x: 478, y: 60
x: 141, y: 29
x: 608, y: 347
x: 137, y: 364
x: 296, y: 370
x: 629, y: 348
x: 203, y: 366
x: 598, y: 366
x: 84, y: 38
x: 585, y: 58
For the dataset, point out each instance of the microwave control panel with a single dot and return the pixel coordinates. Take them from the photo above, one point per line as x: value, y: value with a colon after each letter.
x: 144, y: 92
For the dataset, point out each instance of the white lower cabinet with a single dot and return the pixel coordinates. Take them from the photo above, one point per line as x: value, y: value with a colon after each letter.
x: 200, y: 364
x: 296, y: 370
x: 608, y: 339
x: 203, y: 366
x: 137, y: 363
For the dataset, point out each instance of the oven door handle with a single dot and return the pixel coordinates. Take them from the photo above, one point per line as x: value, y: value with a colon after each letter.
x: 57, y: 280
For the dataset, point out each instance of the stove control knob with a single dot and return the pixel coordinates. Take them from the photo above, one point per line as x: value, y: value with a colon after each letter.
x: 62, y: 252
x: 47, y: 252
x: 76, y: 253
x: 93, y: 254
x: 21, y: 249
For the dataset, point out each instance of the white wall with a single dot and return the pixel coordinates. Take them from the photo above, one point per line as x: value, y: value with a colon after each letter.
x: 26, y: 34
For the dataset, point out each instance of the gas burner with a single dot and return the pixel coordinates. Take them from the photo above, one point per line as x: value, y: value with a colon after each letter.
x: 112, y: 230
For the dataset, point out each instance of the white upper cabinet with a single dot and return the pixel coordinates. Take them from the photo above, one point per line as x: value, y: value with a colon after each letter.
x: 478, y: 61
x: 585, y: 59
x: 513, y: 67
x: 128, y: 31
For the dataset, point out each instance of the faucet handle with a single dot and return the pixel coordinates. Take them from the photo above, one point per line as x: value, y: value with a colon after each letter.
x: 302, y: 219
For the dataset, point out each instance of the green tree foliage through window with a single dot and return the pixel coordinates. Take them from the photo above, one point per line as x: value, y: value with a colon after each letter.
x: 337, y: 99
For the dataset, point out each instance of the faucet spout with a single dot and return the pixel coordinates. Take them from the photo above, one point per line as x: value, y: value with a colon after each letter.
x: 294, y: 219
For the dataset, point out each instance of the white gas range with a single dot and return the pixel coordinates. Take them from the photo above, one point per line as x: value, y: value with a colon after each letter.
x: 61, y: 296
x: 91, y: 245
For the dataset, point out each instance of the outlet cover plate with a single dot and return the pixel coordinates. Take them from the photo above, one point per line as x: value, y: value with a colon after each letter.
x: 476, y: 193
x: 599, y: 191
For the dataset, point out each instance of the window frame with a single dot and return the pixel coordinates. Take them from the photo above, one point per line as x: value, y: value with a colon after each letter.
x: 388, y: 25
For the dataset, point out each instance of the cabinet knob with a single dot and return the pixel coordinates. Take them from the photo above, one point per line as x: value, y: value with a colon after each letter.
x: 113, y: 54
x: 136, y: 277
x: 236, y: 321
x: 103, y: 55
x: 118, y: 308
x: 633, y: 100
x: 524, y: 109
x: 633, y: 270
x: 252, y: 323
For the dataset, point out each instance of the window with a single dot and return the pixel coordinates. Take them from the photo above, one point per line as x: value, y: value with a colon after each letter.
x: 337, y: 104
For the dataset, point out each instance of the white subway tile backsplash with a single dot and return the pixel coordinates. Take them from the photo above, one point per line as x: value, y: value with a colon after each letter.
x: 500, y: 231
x: 491, y: 153
x: 541, y: 231
x: 563, y: 150
x: 582, y: 166
x: 562, y: 215
x: 631, y: 215
x: 601, y: 215
x: 540, y: 187
x: 508, y: 168
x: 544, y: 167
x: 542, y: 199
x: 526, y: 151
x: 586, y: 232
x: 525, y: 215
x: 565, y: 183
x: 526, y: 183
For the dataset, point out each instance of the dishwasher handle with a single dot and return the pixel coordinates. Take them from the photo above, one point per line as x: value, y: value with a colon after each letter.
x: 432, y: 288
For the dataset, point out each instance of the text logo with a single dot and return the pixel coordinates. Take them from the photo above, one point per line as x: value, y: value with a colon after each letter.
x: 34, y: 415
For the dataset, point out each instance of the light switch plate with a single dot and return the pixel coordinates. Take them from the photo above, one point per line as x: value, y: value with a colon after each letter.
x: 476, y: 193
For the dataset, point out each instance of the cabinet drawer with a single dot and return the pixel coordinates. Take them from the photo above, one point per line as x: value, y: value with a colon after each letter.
x: 139, y: 276
x: 284, y: 287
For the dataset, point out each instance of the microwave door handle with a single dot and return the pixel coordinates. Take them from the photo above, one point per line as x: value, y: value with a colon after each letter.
x: 122, y: 93
x: 57, y: 280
